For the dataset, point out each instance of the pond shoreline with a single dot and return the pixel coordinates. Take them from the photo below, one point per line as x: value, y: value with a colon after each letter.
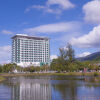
x: 4, y: 76
x: 50, y: 74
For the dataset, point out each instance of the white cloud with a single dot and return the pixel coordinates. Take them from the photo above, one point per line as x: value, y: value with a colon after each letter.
x: 92, y: 39
x: 44, y: 8
x: 61, y: 5
x: 7, y: 32
x: 65, y: 38
x: 92, y: 11
x: 53, y: 57
x: 64, y: 4
x: 5, y: 54
x: 54, y: 28
x: 83, y: 54
x: 35, y: 6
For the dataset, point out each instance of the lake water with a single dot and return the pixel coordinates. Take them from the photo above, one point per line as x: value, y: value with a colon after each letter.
x: 51, y: 88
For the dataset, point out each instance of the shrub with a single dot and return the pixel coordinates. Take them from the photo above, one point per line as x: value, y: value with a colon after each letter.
x: 95, y: 74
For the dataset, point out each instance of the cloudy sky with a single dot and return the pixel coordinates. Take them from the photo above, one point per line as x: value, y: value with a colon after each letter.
x: 63, y: 21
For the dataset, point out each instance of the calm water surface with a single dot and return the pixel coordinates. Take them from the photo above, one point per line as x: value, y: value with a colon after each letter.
x: 50, y: 88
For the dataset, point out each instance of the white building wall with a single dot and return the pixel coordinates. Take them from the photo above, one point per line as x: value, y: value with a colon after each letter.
x: 29, y: 51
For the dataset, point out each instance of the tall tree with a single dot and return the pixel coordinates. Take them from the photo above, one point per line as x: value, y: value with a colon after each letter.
x: 65, y: 59
x: 70, y: 53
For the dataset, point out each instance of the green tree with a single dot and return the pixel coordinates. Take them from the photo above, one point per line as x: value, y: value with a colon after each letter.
x: 32, y: 69
x: 70, y: 53
x: 64, y: 60
x: 1, y: 68
x: 9, y: 67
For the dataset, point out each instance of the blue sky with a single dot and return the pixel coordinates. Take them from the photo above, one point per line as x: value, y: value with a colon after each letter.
x: 63, y: 21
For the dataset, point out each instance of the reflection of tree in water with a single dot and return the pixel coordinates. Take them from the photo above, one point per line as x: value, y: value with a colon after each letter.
x: 92, y: 82
x: 67, y: 90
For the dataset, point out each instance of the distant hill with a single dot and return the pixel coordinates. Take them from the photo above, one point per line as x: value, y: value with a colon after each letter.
x: 91, y: 57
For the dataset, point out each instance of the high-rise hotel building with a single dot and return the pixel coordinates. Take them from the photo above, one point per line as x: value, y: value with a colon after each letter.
x: 29, y: 50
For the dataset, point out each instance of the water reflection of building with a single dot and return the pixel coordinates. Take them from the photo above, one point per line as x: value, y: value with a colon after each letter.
x: 27, y: 90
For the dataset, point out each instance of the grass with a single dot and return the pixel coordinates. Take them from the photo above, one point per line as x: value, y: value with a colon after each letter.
x: 95, y: 74
x: 2, y: 78
x: 51, y: 74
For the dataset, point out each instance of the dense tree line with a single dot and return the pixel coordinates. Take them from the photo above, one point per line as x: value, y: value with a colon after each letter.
x: 9, y: 68
x: 66, y: 62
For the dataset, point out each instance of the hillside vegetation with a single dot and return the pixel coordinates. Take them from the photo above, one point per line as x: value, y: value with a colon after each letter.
x: 91, y: 57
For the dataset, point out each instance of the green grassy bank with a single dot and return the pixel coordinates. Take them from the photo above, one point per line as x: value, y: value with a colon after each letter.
x: 2, y: 75
x: 2, y: 78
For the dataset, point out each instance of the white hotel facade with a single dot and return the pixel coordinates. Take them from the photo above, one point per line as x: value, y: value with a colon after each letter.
x: 29, y: 50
